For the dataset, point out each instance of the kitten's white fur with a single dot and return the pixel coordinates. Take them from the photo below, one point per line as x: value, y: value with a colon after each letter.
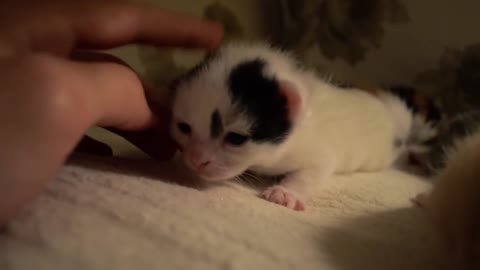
x: 336, y: 130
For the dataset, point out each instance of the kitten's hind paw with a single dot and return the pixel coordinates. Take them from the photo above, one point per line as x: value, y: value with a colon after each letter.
x: 280, y: 195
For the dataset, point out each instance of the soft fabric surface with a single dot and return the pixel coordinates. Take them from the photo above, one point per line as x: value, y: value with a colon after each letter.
x: 121, y: 214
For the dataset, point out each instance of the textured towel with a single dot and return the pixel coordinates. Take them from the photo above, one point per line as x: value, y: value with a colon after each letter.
x: 128, y: 214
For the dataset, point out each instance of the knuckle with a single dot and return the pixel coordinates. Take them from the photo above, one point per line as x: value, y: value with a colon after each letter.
x: 121, y: 17
x: 45, y: 71
x: 50, y: 93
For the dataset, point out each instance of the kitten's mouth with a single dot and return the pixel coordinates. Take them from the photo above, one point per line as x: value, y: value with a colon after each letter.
x: 212, y: 173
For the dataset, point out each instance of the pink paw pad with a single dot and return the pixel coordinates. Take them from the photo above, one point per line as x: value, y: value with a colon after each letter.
x: 281, y: 196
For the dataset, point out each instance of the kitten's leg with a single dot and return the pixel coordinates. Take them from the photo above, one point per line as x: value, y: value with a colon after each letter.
x: 296, y: 187
x: 280, y: 195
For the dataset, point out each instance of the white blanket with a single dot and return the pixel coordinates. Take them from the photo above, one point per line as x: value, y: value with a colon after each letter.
x: 121, y: 214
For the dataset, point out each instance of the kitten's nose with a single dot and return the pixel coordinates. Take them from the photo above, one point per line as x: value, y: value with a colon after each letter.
x: 198, y: 156
x: 200, y: 164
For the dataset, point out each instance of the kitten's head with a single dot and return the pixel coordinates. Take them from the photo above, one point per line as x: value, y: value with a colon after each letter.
x: 236, y: 110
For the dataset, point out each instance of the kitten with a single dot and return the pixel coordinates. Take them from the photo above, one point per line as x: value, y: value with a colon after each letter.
x: 452, y: 129
x: 420, y: 127
x: 252, y: 107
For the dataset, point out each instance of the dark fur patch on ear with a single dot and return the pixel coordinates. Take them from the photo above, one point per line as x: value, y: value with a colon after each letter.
x: 260, y: 98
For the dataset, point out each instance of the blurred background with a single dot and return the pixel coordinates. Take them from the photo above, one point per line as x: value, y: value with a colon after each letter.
x: 430, y: 45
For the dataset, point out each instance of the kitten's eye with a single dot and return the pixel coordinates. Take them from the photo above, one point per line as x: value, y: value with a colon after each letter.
x: 235, y: 139
x: 184, y: 128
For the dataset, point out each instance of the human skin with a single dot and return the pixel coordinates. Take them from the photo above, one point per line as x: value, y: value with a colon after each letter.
x: 49, y: 99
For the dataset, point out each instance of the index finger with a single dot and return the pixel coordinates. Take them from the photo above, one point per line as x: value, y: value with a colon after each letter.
x: 115, y: 24
x: 60, y: 26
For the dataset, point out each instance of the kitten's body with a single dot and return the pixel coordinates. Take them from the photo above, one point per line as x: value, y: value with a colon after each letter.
x: 418, y: 126
x: 347, y: 128
x: 284, y: 120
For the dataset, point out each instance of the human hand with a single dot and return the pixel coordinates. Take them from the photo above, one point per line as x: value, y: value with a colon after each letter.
x: 48, y: 100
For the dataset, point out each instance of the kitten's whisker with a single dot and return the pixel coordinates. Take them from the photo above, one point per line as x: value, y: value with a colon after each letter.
x: 245, y: 180
x: 242, y: 180
x: 253, y: 178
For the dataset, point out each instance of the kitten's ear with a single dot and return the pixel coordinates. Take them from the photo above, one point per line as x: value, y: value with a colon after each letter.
x: 295, y: 100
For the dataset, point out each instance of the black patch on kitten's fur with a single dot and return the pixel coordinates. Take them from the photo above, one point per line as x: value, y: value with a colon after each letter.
x: 455, y: 129
x: 216, y: 126
x: 261, y: 100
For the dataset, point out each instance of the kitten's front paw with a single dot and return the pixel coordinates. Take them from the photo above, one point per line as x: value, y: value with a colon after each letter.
x: 280, y: 195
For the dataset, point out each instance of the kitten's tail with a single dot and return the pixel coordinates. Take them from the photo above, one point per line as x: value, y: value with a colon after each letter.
x: 412, y: 130
x: 402, y: 116
x: 454, y: 204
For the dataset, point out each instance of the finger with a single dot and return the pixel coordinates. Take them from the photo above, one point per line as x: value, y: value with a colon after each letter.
x: 113, y: 94
x: 121, y: 97
x: 114, y: 24
x: 154, y: 97
x: 156, y: 142
x: 60, y: 26
x: 47, y: 104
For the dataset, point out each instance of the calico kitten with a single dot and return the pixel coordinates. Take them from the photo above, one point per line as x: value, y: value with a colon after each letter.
x: 252, y: 107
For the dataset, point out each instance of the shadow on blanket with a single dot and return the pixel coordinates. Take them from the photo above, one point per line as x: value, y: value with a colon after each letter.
x: 361, y: 243
x: 169, y: 172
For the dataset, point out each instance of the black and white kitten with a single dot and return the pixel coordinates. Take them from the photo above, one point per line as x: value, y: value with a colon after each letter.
x: 252, y: 107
